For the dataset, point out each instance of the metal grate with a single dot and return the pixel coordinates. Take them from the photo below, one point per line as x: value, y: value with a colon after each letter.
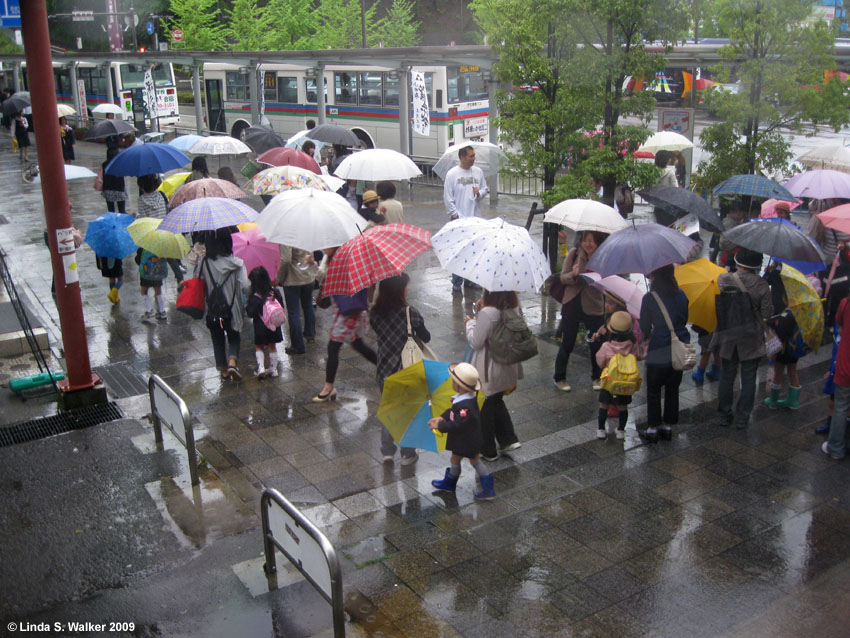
x: 59, y: 423
x: 122, y: 380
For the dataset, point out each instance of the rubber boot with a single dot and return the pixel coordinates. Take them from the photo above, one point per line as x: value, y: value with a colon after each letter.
x: 487, y: 492
x: 773, y: 401
x: 713, y: 373
x: 448, y: 484
x: 698, y: 375
x: 792, y: 401
x: 824, y: 429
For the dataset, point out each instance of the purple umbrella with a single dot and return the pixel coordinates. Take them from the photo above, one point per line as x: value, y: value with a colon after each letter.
x: 640, y: 249
x: 820, y: 184
x: 207, y: 213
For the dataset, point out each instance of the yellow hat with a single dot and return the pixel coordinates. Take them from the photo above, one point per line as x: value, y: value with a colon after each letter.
x: 370, y: 196
x: 620, y: 322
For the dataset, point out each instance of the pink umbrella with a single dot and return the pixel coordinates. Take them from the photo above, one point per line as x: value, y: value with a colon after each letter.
x: 837, y: 218
x: 768, y: 208
x: 289, y: 157
x: 622, y: 288
x: 209, y: 187
x: 254, y: 249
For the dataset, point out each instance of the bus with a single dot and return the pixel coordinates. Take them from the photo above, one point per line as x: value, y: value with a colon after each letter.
x: 363, y: 98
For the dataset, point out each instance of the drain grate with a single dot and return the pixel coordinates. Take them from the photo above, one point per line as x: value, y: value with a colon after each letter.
x: 122, y: 380
x: 59, y: 423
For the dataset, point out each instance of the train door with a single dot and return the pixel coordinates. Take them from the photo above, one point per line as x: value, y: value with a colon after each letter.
x: 215, y: 106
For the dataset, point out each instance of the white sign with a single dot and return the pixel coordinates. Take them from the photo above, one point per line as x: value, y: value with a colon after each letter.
x: 81, y: 91
x: 304, y: 551
x: 687, y: 225
x: 421, y: 112
x: 150, y: 95
x: 169, y: 412
x: 82, y: 16
x: 65, y: 240
x: 677, y: 120
x: 69, y: 264
x: 177, y: 35
x: 476, y: 127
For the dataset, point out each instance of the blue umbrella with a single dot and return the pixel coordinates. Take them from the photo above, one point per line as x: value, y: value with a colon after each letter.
x: 108, y: 236
x: 754, y: 186
x: 777, y: 238
x: 145, y: 160
x: 185, y: 142
x: 640, y: 249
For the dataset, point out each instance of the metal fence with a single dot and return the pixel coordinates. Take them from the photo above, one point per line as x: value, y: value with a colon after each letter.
x: 506, y: 183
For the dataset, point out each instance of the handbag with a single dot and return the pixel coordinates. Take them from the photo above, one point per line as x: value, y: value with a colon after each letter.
x: 683, y: 356
x: 772, y: 342
x: 191, y: 299
x: 557, y: 288
x: 414, y: 350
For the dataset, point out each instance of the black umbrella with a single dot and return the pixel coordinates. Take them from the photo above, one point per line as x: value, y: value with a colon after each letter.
x: 105, y: 128
x: 261, y: 139
x: 16, y: 103
x: 678, y: 202
x: 777, y: 238
x: 333, y: 134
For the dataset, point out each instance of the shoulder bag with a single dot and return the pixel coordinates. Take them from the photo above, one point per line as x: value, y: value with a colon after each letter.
x: 683, y: 356
x: 414, y: 350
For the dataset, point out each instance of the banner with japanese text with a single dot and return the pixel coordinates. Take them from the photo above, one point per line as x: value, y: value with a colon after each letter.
x: 150, y: 95
x: 421, y: 112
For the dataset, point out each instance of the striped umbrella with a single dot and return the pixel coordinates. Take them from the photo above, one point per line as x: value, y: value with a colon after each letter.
x: 208, y: 187
x: 207, y: 213
x: 754, y: 186
x: 145, y: 232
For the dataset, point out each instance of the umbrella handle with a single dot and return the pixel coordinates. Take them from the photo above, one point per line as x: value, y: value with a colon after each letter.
x: 438, y: 433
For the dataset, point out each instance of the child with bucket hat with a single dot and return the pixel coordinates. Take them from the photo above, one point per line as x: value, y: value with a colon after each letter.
x: 462, y: 425
x: 621, y: 340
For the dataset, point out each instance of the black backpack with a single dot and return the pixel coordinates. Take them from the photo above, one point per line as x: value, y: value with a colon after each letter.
x: 218, y: 309
x: 737, y: 317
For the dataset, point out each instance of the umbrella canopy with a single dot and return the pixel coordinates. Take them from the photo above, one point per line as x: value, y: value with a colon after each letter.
x: 837, y: 218
x: 626, y: 290
x: 666, y: 141
x: 376, y: 164
x: 279, y: 179
x: 488, y: 157
x: 219, y: 145
x: 105, y: 128
x: 261, y: 139
x: 776, y: 238
x: 16, y: 103
x: 586, y: 214
x: 492, y: 253
x: 835, y: 157
x: 754, y: 186
x: 290, y: 157
x: 71, y: 172
x: 310, y: 219
x: 107, y: 108
x: 333, y: 134
x: 170, y: 183
x: 254, y: 249
x: 640, y: 249
x: 378, y: 253
x: 146, y: 159
x: 208, y: 187
x: 185, y: 142
x: 805, y: 304
x: 145, y: 232
x: 820, y: 184
x: 680, y: 202
x: 63, y: 110
x: 698, y: 280
x: 411, y: 397
x: 768, y: 207
x: 297, y: 141
x: 108, y: 237
x: 207, y: 213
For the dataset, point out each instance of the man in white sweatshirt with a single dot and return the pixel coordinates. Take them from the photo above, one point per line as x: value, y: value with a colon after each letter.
x: 463, y: 190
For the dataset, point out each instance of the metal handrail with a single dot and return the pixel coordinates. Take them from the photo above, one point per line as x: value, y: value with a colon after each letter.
x: 156, y: 382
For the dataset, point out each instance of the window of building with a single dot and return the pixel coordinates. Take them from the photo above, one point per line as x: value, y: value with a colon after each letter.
x: 345, y: 88
x: 238, y: 87
x: 287, y: 90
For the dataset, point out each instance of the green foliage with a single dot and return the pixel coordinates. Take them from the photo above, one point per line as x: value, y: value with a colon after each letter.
x: 201, y: 24
x: 248, y: 26
x: 400, y: 29
x: 8, y: 46
x: 339, y: 25
x: 291, y: 22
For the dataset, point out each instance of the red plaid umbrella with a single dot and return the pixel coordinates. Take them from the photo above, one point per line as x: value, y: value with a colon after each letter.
x: 379, y: 253
x: 289, y: 157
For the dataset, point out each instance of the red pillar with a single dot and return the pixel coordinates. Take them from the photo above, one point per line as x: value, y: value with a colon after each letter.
x: 54, y: 192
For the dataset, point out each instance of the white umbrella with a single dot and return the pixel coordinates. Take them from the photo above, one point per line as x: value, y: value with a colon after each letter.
x: 71, y: 172
x: 63, y: 110
x: 219, y: 145
x: 309, y: 219
x: 297, y: 141
x: 488, y: 157
x: 586, y: 214
x: 376, y: 164
x: 834, y: 157
x: 666, y: 141
x: 107, y: 108
x: 493, y: 253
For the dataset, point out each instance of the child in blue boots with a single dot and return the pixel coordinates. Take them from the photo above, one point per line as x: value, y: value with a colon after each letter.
x: 703, y: 372
x: 462, y: 424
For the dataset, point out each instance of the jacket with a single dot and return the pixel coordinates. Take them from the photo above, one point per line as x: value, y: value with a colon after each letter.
x: 254, y: 309
x: 592, y: 301
x: 496, y: 377
x: 654, y: 327
x: 392, y: 210
x: 610, y: 348
x: 220, y: 268
x: 288, y: 274
x: 462, y: 423
x: 759, y: 292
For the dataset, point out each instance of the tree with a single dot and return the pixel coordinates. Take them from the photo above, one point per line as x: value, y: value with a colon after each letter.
x: 400, y: 29
x: 779, y: 59
x: 291, y: 24
x: 201, y: 24
x: 248, y: 26
x: 339, y: 26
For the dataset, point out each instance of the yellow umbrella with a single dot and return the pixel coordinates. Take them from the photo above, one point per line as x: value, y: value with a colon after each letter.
x: 805, y: 305
x: 161, y: 243
x: 170, y: 183
x: 698, y: 279
x: 63, y: 110
x: 246, y: 226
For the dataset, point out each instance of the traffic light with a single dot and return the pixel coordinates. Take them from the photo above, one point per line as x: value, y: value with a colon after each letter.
x: 141, y: 49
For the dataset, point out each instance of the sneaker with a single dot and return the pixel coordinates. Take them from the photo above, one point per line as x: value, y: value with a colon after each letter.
x: 513, y: 446
x: 825, y: 449
x: 563, y: 386
x: 147, y: 317
x: 273, y: 373
x: 260, y: 373
x: 621, y: 434
x: 601, y: 434
x: 388, y: 458
x: 490, y: 459
x: 409, y: 460
x: 162, y: 316
x: 597, y: 385
x: 293, y: 351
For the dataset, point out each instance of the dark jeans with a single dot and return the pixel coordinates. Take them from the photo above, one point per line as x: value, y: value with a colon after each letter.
x: 122, y: 206
x: 728, y: 372
x: 668, y: 379
x: 218, y: 337
x: 571, y: 316
x: 299, y: 299
x: 496, y: 424
x: 333, y: 356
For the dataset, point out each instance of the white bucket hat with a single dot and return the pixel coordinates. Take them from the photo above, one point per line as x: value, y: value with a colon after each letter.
x: 466, y: 375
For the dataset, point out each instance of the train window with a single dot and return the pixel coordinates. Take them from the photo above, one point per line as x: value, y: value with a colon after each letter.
x: 370, y: 88
x: 345, y: 88
x: 287, y: 90
x: 62, y: 81
x: 133, y: 75
x: 237, y: 86
x: 270, y: 86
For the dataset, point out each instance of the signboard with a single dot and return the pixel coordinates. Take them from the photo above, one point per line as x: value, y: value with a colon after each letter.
x: 476, y: 127
x: 677, y: 120
x: 150, y: 28
x: 82, y: 16
x: 150, y: 95
x: 81, y: 92
x: 421, y: 112
x: 177, y: 35
x: 10, y: 14
x: 65, y: 240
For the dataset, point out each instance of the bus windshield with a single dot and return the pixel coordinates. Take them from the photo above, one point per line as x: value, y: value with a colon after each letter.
x: 133, y: 75
x: 465, y: 84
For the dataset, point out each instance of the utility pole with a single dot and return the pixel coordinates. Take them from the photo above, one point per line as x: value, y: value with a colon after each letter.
x: 363, y: 21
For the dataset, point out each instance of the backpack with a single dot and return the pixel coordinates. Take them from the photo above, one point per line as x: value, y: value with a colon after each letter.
x: 274, y: 316
x: 153, y: 267
x: 218, y: 308
x: 511, y: 341
x: 736, y: 316
x: 621, y: 376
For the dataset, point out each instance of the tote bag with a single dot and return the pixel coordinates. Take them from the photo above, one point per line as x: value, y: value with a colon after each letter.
x: 683, y: 356
x: 414, y: 350
x: 191, y: 298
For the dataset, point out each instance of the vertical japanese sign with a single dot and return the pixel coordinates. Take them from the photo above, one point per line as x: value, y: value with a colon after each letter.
x: 81, y: 91
x: 150, y: 95
x: 261, y: 84
x: 113, y: 22
x: 421, y: 113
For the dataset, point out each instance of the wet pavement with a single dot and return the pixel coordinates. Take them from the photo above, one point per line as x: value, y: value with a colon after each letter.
x: 717, y: 532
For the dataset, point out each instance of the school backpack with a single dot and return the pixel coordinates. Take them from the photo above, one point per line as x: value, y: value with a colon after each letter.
x: 621, y: 376
x: 218, y: 307
x: 511, y: 340
x: 274, y: 316
x: 153, y: 267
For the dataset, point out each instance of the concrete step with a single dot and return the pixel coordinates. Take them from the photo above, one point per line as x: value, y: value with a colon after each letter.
x: 13, y: 341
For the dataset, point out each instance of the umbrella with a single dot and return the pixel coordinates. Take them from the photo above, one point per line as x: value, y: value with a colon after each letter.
x: 207, y: 213
x: 63, y: 110
x: 585, y: 214
x: 108, y: 237
x: 768, y: 207
x: 491, y: 253
x: 145, y: 232
x: 71, y: 172
x: 185, y: 142
x: 16, y: 103
x: 776, y: 238
x: 279, y: 179
x: 680, y: 202
x: 835, y: 157
x: 207, y: 187
x: 820, y: 184
x: 615, y: 285
x: 698, y: 280
x: 376, y: 164
x: 411, y: 397
x: 378, y: 253
x: 107, y: 108
x: 640, y: 249
x: 170, y: 183
x: 488, y: 157
x: 255, y: 250
x: 219, y: 145
x: 105, y: 128
x: 666, y: 141
x: 333, y: 134
x: 310, y: 219
x: 261, y: 139
x: 754, y: 186
x: 146, y: 159
x: 290, y: 157
x: 805, y: 304
x: 297, y: 141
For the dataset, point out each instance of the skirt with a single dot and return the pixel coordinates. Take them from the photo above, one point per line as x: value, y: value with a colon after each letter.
x: 114, y: 196
x: 606, y: 398
x: 150, y: 283
x: 348, y: 328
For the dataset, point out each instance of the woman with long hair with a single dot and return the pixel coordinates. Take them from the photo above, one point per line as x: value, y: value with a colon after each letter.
x: 496, y: 378
x: 388, y: 319
x: 660, y: 374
